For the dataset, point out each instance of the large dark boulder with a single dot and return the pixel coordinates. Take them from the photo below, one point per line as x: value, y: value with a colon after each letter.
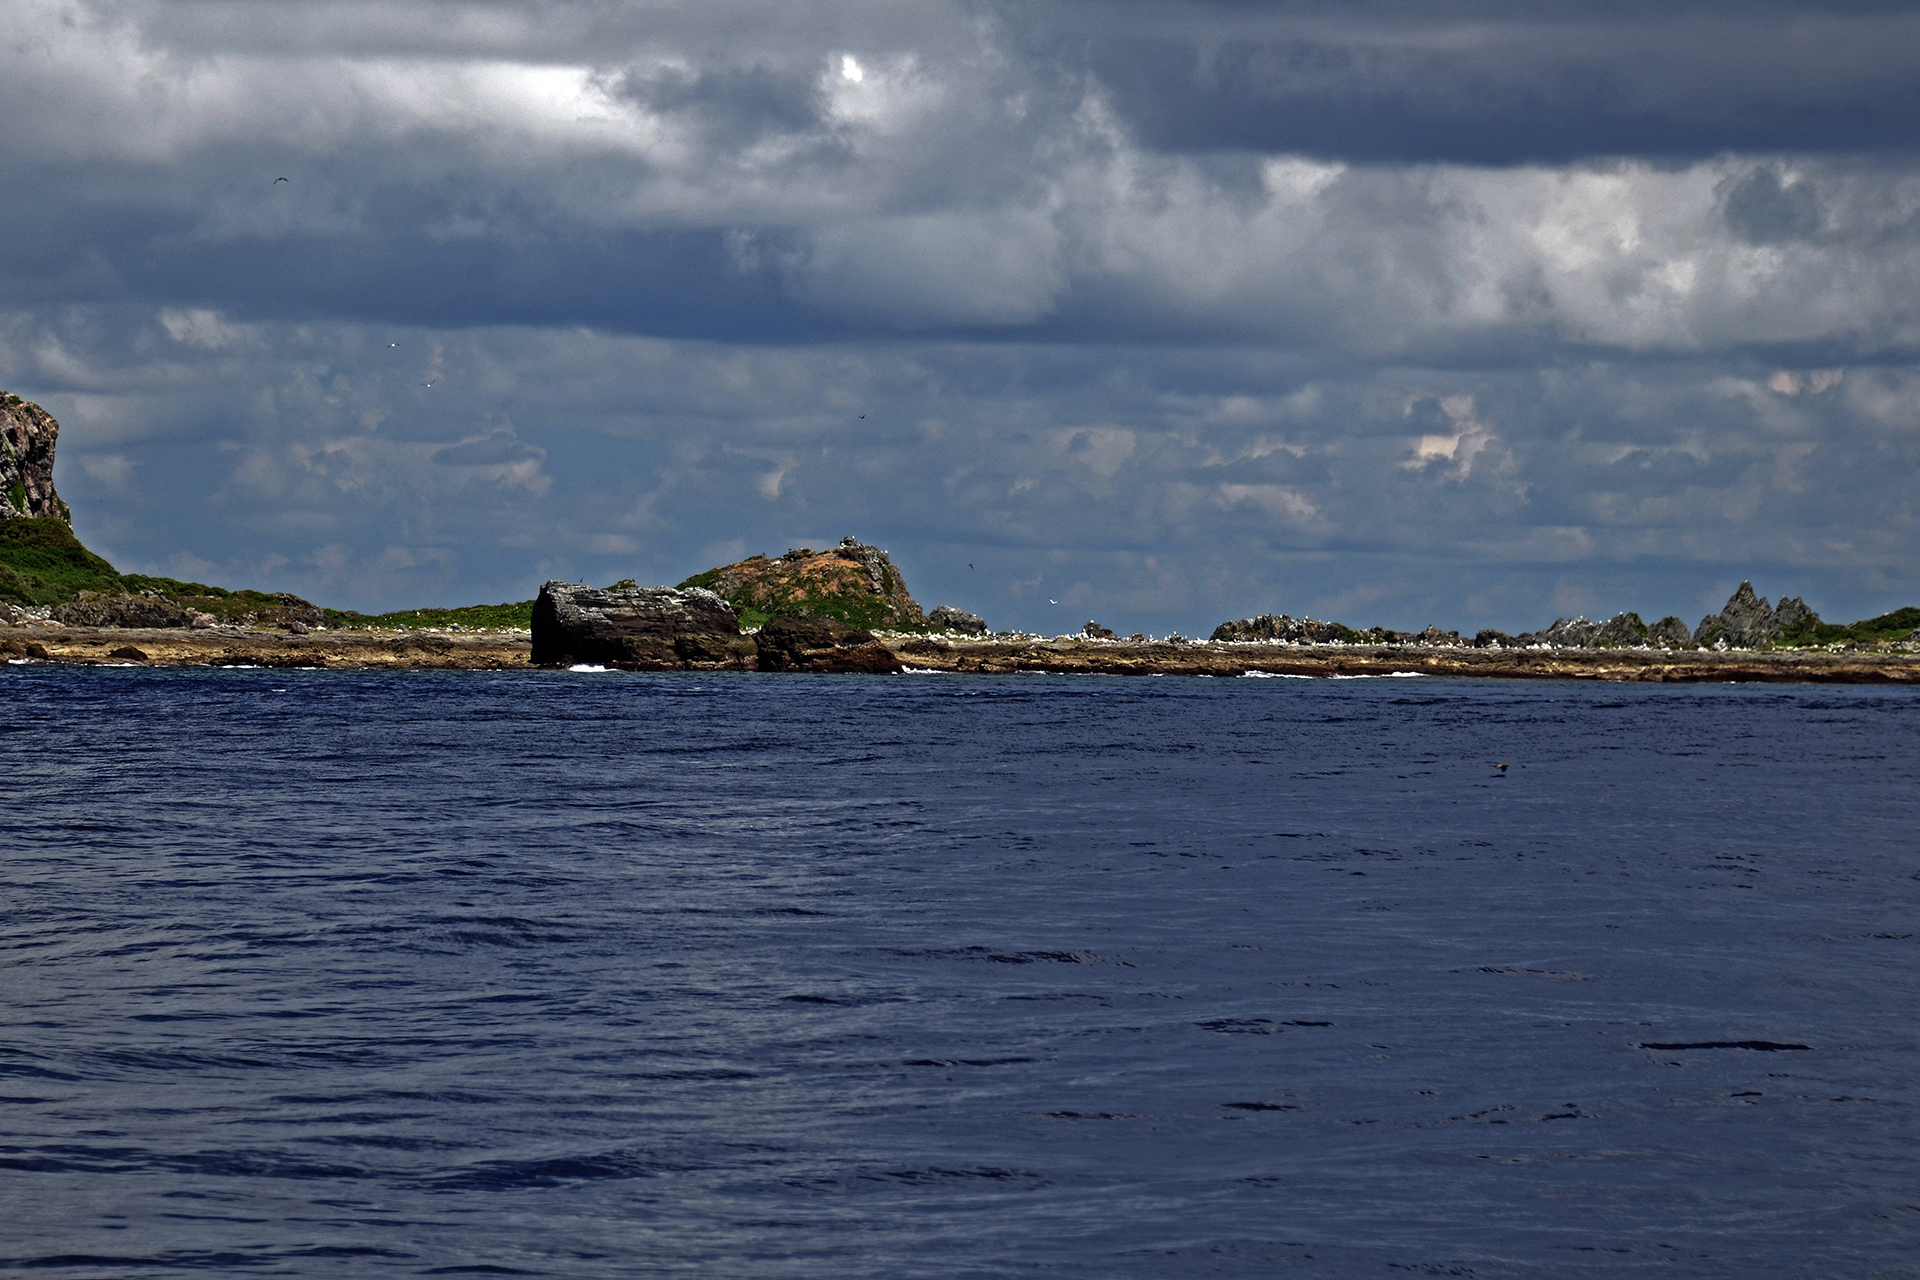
x: 948, y: 618
x: 821, y: 644
x: 645, y: 628
x: 121, y: 611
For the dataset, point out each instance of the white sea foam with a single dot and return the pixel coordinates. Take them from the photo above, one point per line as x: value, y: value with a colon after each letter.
x: 1272, y: 675
x: 1384, y: 675
x: 585, y: 666
x: 923, y: 671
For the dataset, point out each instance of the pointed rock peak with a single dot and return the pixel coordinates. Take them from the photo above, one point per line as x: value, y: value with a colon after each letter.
x: 27, y: 437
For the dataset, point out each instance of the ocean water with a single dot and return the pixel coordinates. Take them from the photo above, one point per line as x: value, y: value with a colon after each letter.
x: 586, y: 974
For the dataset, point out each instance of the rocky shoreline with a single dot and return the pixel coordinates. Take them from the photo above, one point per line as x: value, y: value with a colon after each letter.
x: 513, y: 650
x: 250, y: 647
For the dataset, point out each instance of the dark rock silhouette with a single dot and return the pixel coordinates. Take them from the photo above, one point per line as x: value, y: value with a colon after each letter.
x: 1094, y: 631
x: 821, y: 645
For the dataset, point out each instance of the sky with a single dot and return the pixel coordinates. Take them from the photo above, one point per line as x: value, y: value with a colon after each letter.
x: 1168, y: 311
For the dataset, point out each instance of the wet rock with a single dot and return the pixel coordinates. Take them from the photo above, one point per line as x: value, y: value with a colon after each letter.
x: 650, y: 628
x: 948, y: 618
x: 1670, y: 633
x: 129, y: 653
x: 121, y: 611
x: 1094, y: 631
x: 821, y: 645
x: 24, y: 649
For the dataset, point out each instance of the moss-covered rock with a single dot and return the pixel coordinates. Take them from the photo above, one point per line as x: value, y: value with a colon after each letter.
x: 854, y: 583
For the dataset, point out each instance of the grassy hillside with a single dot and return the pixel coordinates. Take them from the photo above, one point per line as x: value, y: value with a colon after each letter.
x: 42, y: 563
x: 1886, y: 628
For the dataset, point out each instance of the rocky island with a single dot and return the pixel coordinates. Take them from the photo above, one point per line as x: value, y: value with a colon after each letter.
x: 846, y: 609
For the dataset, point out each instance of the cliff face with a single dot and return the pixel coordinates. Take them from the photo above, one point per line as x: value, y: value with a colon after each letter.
x: 27, y: 435
x: 650, y: 628
x: 854, y: 583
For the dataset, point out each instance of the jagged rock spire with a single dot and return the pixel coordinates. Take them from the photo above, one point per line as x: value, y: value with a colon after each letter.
x: 27, y: 435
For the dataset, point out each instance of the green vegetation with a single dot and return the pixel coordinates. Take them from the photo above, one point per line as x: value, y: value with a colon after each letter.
x: 1885, y: 629
x: 41, y: 562
x: 473, y: 617
x: 758, y: 603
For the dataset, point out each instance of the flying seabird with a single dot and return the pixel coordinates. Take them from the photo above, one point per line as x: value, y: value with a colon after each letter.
x: 1053, y: 602
x: 1501, y: 767
x: 279, y: 180
x: 863, y: 417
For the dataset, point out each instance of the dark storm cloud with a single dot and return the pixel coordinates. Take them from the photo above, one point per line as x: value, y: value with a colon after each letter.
x: 1445, y: 312
x: 1503, y: 83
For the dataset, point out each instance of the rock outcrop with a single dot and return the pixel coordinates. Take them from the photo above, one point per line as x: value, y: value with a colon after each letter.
x: 1669, y: 633
x: 27, y: 436
x: 1565, y: 633
x: 1094, y: 631
x: 948, y: 618
x: 854, y: 582
x: 1621, y: 631
x: 821, y: 645
x: 1284, y: 627
x: 644, y: 628
x: 148, y: 611
x: 1746, y: 620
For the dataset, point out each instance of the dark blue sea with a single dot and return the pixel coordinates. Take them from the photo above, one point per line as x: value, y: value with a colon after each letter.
x: 599, y: 975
